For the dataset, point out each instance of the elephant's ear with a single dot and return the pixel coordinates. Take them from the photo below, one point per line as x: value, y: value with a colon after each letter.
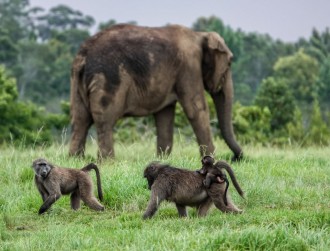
x: 216, y: 42
x: 216, y: 61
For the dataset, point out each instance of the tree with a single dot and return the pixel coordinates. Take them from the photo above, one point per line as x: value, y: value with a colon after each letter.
x: 324, y: 83
x: 319, y: 132
x: 8, y: 49
x: 105, y: 25
x: 14, y: 19
x: 8, y: 91
x: 277, y: 96
x: 318, y: 46
x: 24, y: 122
x: 19, y: 120
x: 251, y: 123
x: 316, y: 132
x: 44, y: 72
x: 233, y: 39
x: 301, y: 73
x: 61, y: 18
x: 16, y: 25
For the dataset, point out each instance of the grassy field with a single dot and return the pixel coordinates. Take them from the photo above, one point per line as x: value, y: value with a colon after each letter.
x: 287, y: 205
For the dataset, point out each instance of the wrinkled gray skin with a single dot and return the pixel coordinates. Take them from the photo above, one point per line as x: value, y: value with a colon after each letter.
x: 137, y: 71
x: 184, y: 188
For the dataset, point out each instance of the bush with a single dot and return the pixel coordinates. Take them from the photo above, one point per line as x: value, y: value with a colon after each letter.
x: 251, y: 123
x: 316, y: 132
x: 23, y: 122
x: 276, y: 95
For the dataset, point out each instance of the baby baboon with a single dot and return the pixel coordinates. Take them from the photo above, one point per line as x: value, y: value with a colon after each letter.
x: 213, y: 174
x: 216, y: 170
x: 53, y: 182
x: 184, y: 188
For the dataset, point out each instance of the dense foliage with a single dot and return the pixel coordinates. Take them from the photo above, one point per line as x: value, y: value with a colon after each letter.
x: 24, y: 122
x: 279, y: 83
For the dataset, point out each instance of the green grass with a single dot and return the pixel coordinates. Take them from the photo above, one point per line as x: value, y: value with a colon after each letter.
x: 287, y: 205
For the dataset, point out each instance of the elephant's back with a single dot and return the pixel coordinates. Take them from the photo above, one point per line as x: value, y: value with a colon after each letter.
x: 139, y: 51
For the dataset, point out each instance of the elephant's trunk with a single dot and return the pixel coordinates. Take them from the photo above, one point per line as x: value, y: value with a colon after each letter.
x: 223, y: 101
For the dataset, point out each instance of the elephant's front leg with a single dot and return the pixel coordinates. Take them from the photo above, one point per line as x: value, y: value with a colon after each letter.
x: 164, y: 120
x: 197, y: 112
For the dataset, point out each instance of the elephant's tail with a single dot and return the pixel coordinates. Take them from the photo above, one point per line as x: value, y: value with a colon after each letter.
x: 78, y: 88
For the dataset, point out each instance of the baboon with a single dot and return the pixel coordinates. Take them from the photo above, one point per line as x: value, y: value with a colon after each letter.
x: 216, y: 170
x: 53, y: 182
x: 213, y: 174
x: 184, y: 188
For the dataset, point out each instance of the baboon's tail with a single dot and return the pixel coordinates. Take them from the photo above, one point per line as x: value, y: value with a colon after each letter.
x: 225, y: 165
x: 98, y: 178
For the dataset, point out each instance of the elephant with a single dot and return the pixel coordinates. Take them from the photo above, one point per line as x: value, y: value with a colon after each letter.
x: 129, y: 70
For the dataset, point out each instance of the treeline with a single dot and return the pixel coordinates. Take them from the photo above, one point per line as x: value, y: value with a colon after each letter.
x: 282, y: 90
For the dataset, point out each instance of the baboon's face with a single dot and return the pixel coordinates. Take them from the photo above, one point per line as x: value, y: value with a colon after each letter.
x: 41, y: 168
x: 151, y: 173
x: 207, y: 163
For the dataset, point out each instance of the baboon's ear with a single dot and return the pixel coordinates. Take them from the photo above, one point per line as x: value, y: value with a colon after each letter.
x: 152, y: 167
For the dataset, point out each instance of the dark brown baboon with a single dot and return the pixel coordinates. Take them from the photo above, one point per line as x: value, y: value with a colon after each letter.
x: 213, y: 174
x: 216, y: 170
x: 53, y: 182
x: 184, y: 188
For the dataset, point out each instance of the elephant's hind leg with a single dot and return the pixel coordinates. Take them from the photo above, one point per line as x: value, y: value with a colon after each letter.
x: 106, y: 108
x: 81, y: 120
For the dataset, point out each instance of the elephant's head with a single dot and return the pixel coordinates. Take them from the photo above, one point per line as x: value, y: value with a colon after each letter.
x: 216, y: 61
x: 218, y: 82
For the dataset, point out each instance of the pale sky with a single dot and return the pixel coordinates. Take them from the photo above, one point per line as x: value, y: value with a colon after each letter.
x: 287, y: 20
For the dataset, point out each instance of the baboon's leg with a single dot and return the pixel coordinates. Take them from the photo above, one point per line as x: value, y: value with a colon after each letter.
x: 86, y: 193
x: 75, y: 200
x: 43, y: 192
x: 49, y: 202
x: 216, y: 192
x: 181, y: 210
x: 156, y: 198
x: 231, y: 207
x: 203, y: 208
